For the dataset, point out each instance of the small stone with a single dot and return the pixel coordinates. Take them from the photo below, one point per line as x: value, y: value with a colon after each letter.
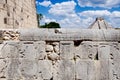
x: 55, y: 43
x: 6, y: 38
x: 49, y: 48
x: 53, y: 57
x: 56, y: 49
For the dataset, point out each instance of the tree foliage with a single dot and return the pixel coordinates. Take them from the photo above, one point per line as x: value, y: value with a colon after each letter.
x: 51, y: 25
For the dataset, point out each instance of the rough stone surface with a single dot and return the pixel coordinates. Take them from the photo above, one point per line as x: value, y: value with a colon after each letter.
x: 69, y: 35
x: 49, y: 48
x: 69, y: 56
x: 16, y: 14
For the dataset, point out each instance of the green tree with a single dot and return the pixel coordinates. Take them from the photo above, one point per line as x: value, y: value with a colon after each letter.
x: 39, y: 18
x: 51, y: 25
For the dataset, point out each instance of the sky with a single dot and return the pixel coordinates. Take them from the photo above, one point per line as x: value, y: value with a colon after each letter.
x: 79, y: 13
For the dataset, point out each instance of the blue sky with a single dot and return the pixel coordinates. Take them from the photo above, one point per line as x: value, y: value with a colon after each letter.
x: 79, y: 13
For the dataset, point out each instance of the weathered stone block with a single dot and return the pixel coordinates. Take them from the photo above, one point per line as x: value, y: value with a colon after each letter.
x: 13, y: 71
x: 40, y: 50
x: 87, y: 70
x: 65, y: 70
x: 49, y: 48
x: 114, y: 51
x: 104, y: 69
x: 87, y: 50
x: 28, y: 69
x: 10, y: 50
x: 66, y: 50
x: 45, y: 70
x: 104, y: 52
x: 27, y: 50
x: 81, y: 70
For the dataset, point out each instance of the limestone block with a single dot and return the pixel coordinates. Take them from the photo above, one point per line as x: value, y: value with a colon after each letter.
x: 66, y: 50
x: 26, y: 34
x: 45, y: 70
x: 13, y: 71
x: 5, y: 51
x: 56, y: 46
x: 65, y: 70
x: 97, y: 69
x: 104, y: 69
x: 104, y: 52
x: 91, y: 70
x: 49, y: 48
x: 27, y: 50
x: 114, y: 51
x: 81, y: 70
x: 10, y: 50
x: 87, y: 70
x: 53, y: 57
x: 40, y: 50
x: 28, y: 69
x: 87, y: 50
x: 57, y: 49
x: 86, y: 34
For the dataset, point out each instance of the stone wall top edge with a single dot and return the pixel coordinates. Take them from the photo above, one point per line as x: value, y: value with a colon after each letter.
x: 60, y: 34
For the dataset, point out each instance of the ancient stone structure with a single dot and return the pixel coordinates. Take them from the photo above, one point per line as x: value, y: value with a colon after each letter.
x: 16, y: 14
x: 54, y: 54
x: 60, y: 54
x: 100, y: 23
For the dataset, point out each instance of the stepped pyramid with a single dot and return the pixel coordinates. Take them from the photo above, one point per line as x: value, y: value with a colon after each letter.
x: 100, y: 23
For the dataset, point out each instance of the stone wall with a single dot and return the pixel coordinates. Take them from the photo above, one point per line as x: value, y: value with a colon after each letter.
x: 60, y: 54
x: 16, y: 14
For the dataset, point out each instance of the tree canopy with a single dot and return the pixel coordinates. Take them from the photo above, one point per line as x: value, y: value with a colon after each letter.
x: 51, y: 25
x: 46, y: 25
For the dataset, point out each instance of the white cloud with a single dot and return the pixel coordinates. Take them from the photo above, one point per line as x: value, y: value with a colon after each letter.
x: 99, y: 3
x: 116, y: 14
x: 45, y: 3
x: 71, y: 22
x: 96, y: 13
x: 47, y: 20
x: 66, y: 10
x: 62, y: 9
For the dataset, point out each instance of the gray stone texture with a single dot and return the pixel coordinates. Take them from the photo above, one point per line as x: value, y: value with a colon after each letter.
x: 69, y: 34
x: 72, y: 55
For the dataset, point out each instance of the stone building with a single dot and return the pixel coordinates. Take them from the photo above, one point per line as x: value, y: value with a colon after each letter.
x: 16, y: 14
